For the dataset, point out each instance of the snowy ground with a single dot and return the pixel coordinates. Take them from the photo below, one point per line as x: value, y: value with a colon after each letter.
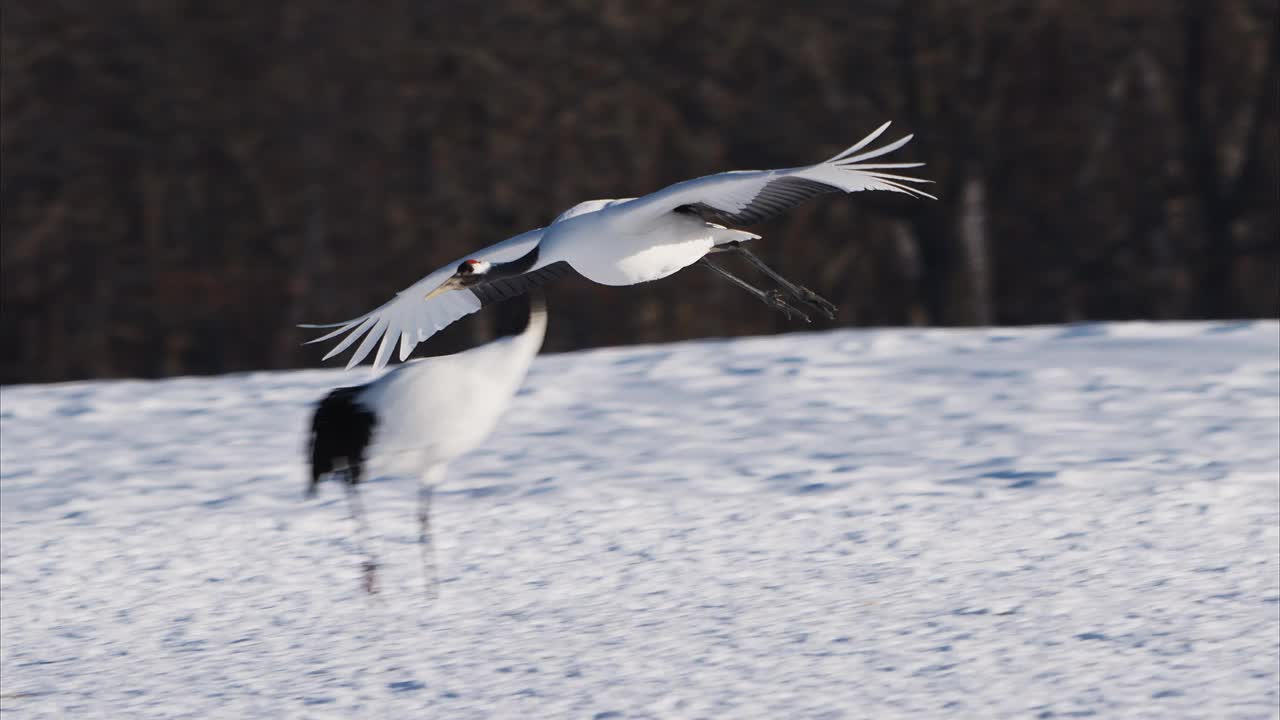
x: 1048, y: 522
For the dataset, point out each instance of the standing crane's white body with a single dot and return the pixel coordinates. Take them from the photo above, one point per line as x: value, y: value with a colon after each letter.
x: 417, y: 418
x: 433, y: 410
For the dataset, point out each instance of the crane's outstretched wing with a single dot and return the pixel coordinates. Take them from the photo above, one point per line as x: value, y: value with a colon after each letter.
x: 747, y: 197
x: 412, y: 318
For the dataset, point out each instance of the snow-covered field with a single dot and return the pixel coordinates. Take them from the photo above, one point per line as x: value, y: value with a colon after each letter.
x: 1029, y: 523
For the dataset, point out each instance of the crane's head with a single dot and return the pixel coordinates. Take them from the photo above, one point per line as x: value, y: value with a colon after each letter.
x: 469, y: 273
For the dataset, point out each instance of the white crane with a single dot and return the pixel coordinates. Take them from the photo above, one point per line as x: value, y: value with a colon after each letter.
x: 625, y: 242
x: 421, y: 416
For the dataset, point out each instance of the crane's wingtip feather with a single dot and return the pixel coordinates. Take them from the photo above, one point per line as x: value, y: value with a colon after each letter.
x: 861, y: 143
x: 366, y: 346
x: 320, y: 326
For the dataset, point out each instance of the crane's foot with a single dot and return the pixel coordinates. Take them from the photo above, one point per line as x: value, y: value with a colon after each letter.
x: 775, y: 299
x: 778, y: 301
x: 798, y: 292
x: 369, y: 577
x: 813, y: 299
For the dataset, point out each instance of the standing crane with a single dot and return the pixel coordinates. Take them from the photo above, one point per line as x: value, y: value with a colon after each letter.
x: 428, y: 411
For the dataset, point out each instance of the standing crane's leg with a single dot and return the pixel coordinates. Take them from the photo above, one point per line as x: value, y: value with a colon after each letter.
x: 772, y: 298
x: 426, y: 487
x: 369, y: 568
x: 424, y: 540
x: 799, y: 292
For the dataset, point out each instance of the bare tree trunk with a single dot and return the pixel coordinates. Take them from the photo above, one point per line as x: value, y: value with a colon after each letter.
x: 934, y: 242
x: 1221, y: 197
x: 973, y: 237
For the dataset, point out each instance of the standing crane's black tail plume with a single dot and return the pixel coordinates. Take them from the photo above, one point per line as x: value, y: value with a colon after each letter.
x: 341, y: 430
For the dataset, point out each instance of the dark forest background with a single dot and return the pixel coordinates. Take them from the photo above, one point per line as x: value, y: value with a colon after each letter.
x: 182, y: 182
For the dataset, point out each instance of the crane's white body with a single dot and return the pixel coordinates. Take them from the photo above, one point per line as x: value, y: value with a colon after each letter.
x: 626, y: 241
x: 433, y: 410
x: 633, y: 252
x: 419, y: 417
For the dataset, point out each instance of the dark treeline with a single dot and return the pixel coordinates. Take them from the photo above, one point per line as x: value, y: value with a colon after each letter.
x: 182, y: 182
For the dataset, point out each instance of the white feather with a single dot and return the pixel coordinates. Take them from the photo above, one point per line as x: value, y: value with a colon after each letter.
x: 735, y: 190
x: 433, y: 410
x: 409, y: 318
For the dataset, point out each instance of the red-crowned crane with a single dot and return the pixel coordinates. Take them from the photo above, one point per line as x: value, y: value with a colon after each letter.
x: 625, y: 242
x: 422, y: 415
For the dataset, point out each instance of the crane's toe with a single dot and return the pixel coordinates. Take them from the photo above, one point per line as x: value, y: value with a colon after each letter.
x: 826, y: 306
x: 778, y: 301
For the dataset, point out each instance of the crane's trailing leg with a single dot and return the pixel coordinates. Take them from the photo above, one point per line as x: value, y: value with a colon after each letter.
x: 368, y: 568
x: 772, y: 298
x: 799, y: 292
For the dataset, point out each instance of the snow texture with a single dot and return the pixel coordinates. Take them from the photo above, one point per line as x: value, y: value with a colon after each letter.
x: 1048, y: 522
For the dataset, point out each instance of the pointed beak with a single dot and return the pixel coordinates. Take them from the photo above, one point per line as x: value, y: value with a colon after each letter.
x: 444, y: 288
